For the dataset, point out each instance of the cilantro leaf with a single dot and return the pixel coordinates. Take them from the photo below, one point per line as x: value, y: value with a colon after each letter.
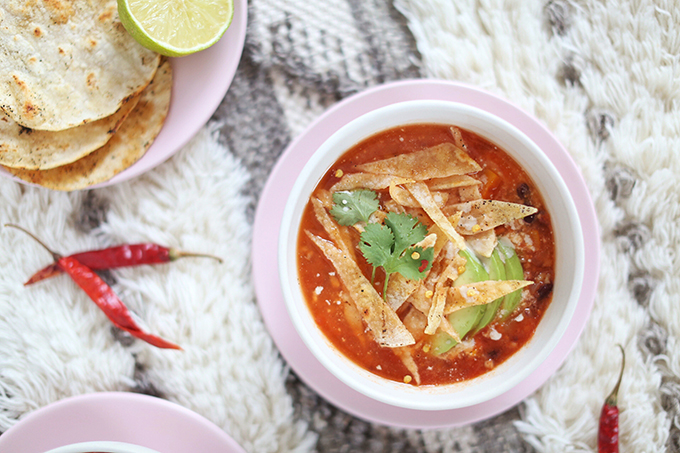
x: 392, y: 247
x: 415, y: 263
x: 350, y: 207
x: 376, y: 244
x: 407, y: 230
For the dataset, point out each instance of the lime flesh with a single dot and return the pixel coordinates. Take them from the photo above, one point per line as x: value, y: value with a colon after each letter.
x: 176, y: 27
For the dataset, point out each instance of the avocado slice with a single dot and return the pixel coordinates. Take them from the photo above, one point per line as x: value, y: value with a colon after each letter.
x: 513, y: 271
x: 462, y: 321
x: 496, y: 272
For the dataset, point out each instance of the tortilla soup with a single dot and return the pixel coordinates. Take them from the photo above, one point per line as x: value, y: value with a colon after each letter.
x: 426, y: 255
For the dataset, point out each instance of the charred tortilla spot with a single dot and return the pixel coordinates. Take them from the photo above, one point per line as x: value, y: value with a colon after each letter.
x: 106, y: 16
x: 60, y: 12
x: 29, y: 110
x: 18, y: 81
x: 37, y: 32
x: 92, y: 81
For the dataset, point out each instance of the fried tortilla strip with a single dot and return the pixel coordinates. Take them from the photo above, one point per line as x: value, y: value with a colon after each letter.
x: 127, y: 146
x: 452, y: 182
x: 415, y: 321
x: 325, y: 197
x: 404, y: 197
x: 34, y: 149
x: 480, y: 293
x: 386, y: 326
x: 421, y: 298
x: 338, y: 234
x: 437, y: 161
x: 429, y: 241
x: 483, y: 215
x: 399, y: 288
x: 445, y: 326
x: 421, y: 193
x: 441, y: 239
x: 482, y: 243
x: 469, y: 193
x: 457, y: 137
x: 354, y: 181
x: 352, y: 315
x: 436, y: 314
x: 406, y: 356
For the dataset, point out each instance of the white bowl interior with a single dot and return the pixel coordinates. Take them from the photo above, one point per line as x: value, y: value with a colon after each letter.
x: 101, y: 447
x: 568, y: 243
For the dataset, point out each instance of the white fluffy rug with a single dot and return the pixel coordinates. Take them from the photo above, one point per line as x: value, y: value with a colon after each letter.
x: 603, y: 76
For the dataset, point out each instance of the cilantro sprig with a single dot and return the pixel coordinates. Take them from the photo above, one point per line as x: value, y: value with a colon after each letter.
x: 350, y: 207
x: 392, y: 247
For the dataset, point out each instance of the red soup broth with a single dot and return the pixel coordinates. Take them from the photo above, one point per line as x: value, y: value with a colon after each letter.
x: 501, y: 179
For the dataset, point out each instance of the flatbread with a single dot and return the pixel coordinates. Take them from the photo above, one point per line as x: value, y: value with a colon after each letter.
x: 34, y: 149
x: 66, y: 62
x: 129, y: 144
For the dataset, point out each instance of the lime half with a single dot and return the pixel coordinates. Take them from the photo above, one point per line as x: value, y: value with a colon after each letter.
x: 176, y: 27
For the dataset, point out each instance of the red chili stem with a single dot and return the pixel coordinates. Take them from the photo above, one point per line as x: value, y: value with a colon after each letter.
x: 107, y: 300
x: 55, y: 256
x: 613, y: 396
x: 121, y: 256
x: 608, y: 434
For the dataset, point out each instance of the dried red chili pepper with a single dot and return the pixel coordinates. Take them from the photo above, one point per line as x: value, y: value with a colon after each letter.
x: 107, y: 300
x: 608, y: 434
x: 120, y: 256
x: 102, y: 295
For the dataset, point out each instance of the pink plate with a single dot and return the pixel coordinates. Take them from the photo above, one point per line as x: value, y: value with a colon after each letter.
x: 199, y: 84
x: 120, y: 417
x: 266, y: 233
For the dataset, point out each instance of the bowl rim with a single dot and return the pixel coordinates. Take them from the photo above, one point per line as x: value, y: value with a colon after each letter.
x: 101, y: 446
x: 357, y: 377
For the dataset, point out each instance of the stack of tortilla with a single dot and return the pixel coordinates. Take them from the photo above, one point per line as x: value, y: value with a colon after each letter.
x: 80, y: 99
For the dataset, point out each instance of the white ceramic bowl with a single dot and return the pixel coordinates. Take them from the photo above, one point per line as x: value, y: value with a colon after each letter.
x: 101, y: 447
x: 568, y: 267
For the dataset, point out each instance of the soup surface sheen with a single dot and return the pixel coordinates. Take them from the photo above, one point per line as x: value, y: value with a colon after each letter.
x: 484, y: 347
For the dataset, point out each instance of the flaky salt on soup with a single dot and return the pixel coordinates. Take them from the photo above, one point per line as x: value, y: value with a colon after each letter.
x: 426, y: 255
